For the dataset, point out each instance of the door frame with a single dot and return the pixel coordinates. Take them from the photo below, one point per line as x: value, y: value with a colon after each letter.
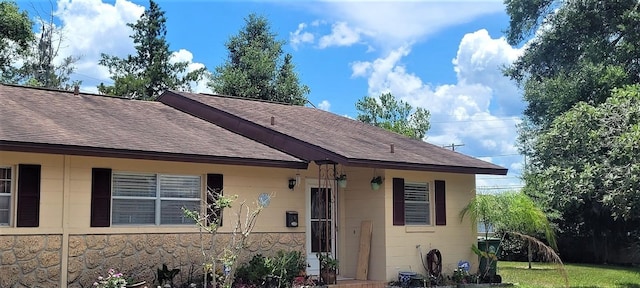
x: 313, y: 267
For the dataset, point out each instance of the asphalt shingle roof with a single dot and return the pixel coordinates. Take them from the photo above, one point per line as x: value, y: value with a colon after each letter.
x: 40, y: 116
x: 356, y: 141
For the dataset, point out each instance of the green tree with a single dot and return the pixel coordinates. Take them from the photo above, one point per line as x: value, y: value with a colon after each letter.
x: 150, y: 71
x: 587, y: 166
x: 516, y: 214
x: 255, y: 68
x: 581, y: 50
x: 578, y: 53
x: 15, y: 37
x: 397, y: 116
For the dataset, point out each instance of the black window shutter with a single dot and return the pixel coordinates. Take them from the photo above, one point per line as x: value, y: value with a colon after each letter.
x: 100, y: 197
x: 398, y: 201
x: 441, y: 203
x: 214, y: 191
x: 28, y: 212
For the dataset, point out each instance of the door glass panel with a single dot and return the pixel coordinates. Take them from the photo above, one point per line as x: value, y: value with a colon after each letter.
x: 321, y: 222
x: 319, y: 203
x: 320, y: 241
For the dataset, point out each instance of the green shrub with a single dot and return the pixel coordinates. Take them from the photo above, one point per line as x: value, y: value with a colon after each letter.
x: 287, y: 265
x: 253, y: 273
x: 280, y: 270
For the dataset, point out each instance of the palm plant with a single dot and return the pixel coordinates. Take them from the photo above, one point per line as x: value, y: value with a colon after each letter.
x: 516, y: 214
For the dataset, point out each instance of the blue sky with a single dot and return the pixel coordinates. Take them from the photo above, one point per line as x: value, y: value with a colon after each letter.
x: 445, y: 56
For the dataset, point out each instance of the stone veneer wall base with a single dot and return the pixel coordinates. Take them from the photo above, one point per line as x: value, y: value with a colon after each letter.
x: 30, y: 260
x: 139, y: 255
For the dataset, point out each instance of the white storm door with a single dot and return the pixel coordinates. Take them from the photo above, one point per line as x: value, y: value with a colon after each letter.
x: 320, y: 226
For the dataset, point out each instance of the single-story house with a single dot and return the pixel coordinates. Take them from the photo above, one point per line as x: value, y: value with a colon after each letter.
x: 91, y: 182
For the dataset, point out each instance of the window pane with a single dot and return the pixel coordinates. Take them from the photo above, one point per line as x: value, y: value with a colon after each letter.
x: 4, y: 209
x: 4, y: 217
x: 172, y: 211
x: 5, y: 180
x: 5, y: 173
x: 416, y: 204
x: 179, y: 186
x: 416, y: 213
x: 133, y: 211
x: 140, y: 185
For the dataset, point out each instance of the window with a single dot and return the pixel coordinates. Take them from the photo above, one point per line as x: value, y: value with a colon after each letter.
x: 412, y: 203
x: 5, y: 195
x: 154, y: 199
x: 416, y: 204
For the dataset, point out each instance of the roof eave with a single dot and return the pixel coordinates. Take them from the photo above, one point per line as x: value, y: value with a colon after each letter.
x: 427, y: 167
x: 145, y: 155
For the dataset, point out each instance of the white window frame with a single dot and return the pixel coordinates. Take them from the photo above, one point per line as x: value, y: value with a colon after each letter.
x: 414, y: 186
x: 157, y: 198
x: 9, y: 195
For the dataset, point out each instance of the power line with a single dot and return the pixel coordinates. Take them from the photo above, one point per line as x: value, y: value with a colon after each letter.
x: 500, y: 155
x: 514, y: 118
x: 499, y: 178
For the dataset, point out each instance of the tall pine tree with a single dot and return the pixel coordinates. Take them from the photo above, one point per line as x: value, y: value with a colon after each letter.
x: 255, y: 67
x: 149, y: 72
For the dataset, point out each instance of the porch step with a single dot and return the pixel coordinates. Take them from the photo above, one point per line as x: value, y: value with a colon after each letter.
x: 359, y: 284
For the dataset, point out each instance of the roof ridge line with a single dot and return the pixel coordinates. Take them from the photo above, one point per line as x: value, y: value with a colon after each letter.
x: 247, y: 99
x: 58, y: 90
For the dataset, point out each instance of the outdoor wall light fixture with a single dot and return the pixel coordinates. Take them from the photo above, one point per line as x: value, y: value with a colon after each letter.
x: 294, y: 181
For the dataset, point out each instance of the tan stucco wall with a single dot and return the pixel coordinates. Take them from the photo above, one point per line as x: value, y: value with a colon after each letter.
x: 66, y: 183
x: 66, y: 195
x: 453, y: 240
x: 52, y: 186
x: 360, y: 203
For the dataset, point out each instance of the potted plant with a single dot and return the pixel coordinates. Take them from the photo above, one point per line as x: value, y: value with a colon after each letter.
x: 376, y: 182
x: 328, y: 267
x: 342, y: 180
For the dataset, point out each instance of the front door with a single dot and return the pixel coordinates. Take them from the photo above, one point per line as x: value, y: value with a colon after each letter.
x: 320, y: 226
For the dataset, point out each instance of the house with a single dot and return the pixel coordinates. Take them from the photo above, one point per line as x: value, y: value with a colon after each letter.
x: 91, y: 182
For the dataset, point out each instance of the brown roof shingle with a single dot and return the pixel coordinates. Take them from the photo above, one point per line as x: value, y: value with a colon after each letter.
x: 40, y: 119
x: 299, y: 130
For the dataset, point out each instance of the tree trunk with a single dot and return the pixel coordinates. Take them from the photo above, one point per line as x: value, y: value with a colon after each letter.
x: 529, y: 253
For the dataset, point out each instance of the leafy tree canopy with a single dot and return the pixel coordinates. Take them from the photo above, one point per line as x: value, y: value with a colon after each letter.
x: 576, y: 129
x: 581, y: 50
x: 397, y: 116
x: 255, y: 67
x: 15, y: 36
x: 150, y: 71
x: 591, y: 154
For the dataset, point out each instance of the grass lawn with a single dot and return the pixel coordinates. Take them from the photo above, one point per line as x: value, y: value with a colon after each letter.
x: 580, y: 275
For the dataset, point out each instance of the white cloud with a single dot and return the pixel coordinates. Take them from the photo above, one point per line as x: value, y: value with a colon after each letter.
x: 394, y: 23
x: 341, y: 35
x: 91, y: 27
x: 478, y: 110
x: 299, y: 36
x: 184, y: 55
x: 324, y: 105
x: 380, y: 69
x: 385, y: 25
x: 479, y: 60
